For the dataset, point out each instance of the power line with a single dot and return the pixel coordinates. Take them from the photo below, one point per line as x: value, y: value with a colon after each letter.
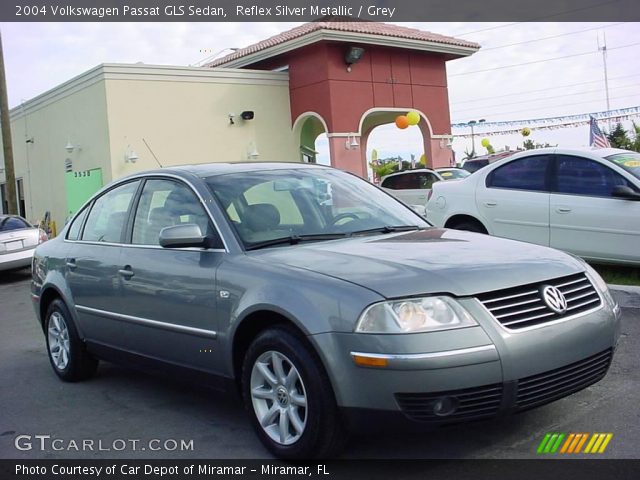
x: 542, y: 89
x: 599, y: 90
x: 483, y: 50
x: 559, y: 105
x: 536, y: 19
x: 539, y: 61
x: 564, y: 118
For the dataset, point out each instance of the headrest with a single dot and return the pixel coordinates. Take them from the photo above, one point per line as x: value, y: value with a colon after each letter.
x: 261, y: 217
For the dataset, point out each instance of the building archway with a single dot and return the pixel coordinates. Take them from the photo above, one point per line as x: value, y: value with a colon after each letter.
x: 307, y: 128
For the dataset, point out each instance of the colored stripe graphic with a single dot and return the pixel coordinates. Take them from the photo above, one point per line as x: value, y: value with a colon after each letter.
x: 572, y: 443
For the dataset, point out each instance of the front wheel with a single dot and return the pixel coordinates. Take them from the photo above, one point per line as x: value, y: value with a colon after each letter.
x: 67, y: 353
x: 289, y: 397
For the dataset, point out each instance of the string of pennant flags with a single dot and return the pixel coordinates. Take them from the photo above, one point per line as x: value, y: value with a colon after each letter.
x: 551, y: 123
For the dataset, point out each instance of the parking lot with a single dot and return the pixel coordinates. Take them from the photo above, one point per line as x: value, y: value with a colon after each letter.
x: 121, y: 405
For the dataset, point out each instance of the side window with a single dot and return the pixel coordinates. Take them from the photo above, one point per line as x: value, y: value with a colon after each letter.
x: 580, y: 176
x: 427, y: 180
x: 108, y: 214
x: 74, y: 229
x: 165, y: 203
x: 523, y: 174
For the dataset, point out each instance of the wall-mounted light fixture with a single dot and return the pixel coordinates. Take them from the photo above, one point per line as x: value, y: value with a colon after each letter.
x: 70, y: 147
x: 446, y: 142
x: 352, y: 142
x: 29, y: 140
x: 244, y: 116
x: 353, y: 55
x: 252, y: 151
x: 130, y: 156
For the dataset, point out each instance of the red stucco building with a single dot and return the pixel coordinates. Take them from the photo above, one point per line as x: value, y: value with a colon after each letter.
x: 333, y: 92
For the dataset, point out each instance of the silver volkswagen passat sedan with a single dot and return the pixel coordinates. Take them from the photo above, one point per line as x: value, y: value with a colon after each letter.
x: 320, y: 298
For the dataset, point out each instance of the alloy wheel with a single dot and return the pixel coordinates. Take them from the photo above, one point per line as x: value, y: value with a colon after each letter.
x: 279, y: 397
x: 58, y: 335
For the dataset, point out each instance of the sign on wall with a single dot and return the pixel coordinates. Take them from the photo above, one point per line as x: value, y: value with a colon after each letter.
x: 80, y: 186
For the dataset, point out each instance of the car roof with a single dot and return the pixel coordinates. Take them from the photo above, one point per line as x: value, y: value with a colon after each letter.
x: 410, y: 170
x: 211, y: 169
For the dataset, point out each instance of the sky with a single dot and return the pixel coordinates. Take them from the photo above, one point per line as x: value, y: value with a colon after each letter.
x: 523, y: 71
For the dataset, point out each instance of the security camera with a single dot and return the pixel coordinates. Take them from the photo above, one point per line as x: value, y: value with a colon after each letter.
x: 247, y: 115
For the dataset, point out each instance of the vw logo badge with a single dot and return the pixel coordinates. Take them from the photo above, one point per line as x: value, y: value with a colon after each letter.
x: 554, y: 299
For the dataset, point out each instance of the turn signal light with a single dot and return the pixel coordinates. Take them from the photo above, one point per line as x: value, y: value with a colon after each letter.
x: 369, y: 361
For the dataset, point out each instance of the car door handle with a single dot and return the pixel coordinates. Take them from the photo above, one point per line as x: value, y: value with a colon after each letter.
x: 71, y: 263
x: 563, y: 210
x: 490, y: 203
x: 126, y: 272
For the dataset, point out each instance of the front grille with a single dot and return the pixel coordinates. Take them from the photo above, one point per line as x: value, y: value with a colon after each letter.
x: 471, y: 403
x: 546, y: 387
x: 523, y: 306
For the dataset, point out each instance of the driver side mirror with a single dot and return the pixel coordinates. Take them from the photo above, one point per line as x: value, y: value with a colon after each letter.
x: 624, y: 192
x: 182, y: 236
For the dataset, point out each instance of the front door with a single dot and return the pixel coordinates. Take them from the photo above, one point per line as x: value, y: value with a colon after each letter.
x: 170, y: 293
x: 585, y: 217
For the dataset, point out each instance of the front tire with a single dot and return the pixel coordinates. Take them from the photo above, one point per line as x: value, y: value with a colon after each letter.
x: 67, y: 353
x: 289, y: 398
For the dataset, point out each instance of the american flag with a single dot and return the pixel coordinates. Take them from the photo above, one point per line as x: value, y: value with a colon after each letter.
x: 596, y: 137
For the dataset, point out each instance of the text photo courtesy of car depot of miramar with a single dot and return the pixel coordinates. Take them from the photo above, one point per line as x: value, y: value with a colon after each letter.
x: 296, y: 249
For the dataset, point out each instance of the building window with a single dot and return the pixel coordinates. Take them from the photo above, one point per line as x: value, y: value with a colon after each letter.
x: 22, y: 211
x: 4, y: 204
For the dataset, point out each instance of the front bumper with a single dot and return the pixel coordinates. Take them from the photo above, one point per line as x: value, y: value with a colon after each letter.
x: 476, y: 372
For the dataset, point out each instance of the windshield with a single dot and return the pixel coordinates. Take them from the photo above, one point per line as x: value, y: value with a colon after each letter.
x: 307, y: 203
x: 630, y: 161
x: 453, y: 174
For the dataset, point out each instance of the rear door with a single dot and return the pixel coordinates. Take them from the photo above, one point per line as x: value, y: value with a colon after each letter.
x: 585, y: 217
x: 93, y: 259
x: 170, y: 293
x: 514, y: 199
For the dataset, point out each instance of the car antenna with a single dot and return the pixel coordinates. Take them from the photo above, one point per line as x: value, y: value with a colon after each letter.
x: 154, y: 155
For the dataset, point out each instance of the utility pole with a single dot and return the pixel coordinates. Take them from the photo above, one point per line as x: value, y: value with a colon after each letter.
x: 10, y: 175
x: 603, y: 49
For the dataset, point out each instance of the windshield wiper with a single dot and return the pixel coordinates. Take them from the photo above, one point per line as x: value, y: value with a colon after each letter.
x: 295, y: 239
x: 387, y: 229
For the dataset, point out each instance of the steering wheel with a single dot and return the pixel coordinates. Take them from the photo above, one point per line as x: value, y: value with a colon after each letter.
x: 342, y: 216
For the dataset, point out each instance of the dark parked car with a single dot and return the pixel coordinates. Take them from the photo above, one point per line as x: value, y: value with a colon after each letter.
x: 322, y: 299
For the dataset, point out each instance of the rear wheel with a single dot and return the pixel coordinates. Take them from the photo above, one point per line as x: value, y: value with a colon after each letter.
x: 289, y: 397
x: 67, y: 352
x: 470, y: 226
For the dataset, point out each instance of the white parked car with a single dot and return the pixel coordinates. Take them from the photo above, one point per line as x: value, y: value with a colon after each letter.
x: 18, y: 241
x: 411, y: 186
x: 583, y: 201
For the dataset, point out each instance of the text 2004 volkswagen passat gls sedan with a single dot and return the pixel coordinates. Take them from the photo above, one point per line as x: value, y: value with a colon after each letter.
x: 320, y: 297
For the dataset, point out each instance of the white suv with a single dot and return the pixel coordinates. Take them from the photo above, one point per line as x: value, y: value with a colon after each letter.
x: 584, y: 201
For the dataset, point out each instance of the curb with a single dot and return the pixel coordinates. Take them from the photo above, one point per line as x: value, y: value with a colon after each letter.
x: 627, y: 296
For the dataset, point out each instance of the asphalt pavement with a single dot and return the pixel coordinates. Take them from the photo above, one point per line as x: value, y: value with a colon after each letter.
x: 50, y: 419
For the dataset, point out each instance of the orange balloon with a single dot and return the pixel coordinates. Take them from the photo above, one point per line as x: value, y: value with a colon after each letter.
x: 402, y: 122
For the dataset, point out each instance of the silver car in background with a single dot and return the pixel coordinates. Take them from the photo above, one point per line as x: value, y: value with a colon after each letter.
x: 18, y: 241
x: 325, y: 302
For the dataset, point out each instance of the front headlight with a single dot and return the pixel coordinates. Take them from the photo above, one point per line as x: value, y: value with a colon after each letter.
x: 414, y: 315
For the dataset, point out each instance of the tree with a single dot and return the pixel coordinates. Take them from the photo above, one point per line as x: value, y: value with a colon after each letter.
x: 619, y: 138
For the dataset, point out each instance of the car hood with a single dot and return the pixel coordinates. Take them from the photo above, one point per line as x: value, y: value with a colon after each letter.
x: 429, y: 261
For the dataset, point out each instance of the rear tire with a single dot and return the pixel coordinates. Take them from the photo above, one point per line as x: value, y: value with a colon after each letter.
x: 470, y: 226
x: 67, y: 353
x: 289, y: 398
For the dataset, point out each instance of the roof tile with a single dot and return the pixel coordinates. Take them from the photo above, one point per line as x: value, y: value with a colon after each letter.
x: 364, y: 27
